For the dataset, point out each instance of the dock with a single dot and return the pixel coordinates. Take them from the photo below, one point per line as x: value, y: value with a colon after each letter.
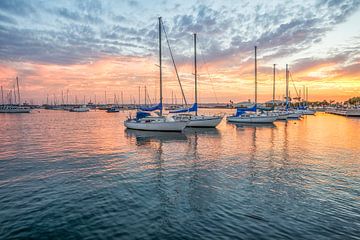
x: 345, y: 112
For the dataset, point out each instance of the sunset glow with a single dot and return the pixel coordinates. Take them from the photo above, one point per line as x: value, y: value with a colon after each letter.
x: 89, y: 47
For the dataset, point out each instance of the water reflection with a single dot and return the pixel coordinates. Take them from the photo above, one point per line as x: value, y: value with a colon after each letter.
x: 203, y: 131
x: 254, y: 125
x: 294, y: 180
x: 144, y: 137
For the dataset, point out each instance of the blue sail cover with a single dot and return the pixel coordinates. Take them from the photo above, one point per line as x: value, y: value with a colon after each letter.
x: 240, y: 111
x: 193, y: 108
x: 302, y: 107
x: 152, y: 108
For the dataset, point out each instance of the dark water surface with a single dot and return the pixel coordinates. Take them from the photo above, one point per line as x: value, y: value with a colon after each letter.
x: 83, y: 176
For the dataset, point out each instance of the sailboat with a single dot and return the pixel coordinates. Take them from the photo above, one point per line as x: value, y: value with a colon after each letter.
x: 144, y: 121
x: 82, y: 108
x: 196, y: 120
x: 14, y: 108
x: 290, y: 113
x: 242, y: 115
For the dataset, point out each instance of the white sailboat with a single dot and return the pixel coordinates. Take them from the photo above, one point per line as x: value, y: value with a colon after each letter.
x: 143, y: 120
x: 14, y: 109
x: 196, y: 120
x: 242, y: 115
x: 82, y: 108
x: 291, y: 113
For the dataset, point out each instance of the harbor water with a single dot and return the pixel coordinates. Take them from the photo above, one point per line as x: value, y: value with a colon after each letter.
x: 70, y: 175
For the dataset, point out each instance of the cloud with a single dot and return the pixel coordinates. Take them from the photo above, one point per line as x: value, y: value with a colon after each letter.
x: 20, y: 8
x: 75, y: 33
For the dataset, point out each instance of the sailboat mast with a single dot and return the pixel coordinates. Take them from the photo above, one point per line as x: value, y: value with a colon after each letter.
x: 160, y: 65
x: 15, y: 97
x: 255, y: 77
x: 287, y: 86
x: 139, y: 96
x: 18, y: 89
x: 122, y: 98
x: 145, y: 93
x: 274, y: 85
x: 2, y: 96
x: 195, y: 66
x: 67, y: 96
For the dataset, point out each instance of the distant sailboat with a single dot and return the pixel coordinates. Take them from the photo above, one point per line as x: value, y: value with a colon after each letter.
x: 143, y: 119
x: 82, y: 108
x: 244, y: 115
x: 291, y: 113
x: 196, y: 120
x: 113, y: 109
x: 14, y: 108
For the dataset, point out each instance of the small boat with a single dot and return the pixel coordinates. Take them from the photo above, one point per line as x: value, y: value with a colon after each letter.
x: 14, y: 109
x: 113, y: 109
x: 144, y: 121
x: 252, y: 118
x: 83, y: 108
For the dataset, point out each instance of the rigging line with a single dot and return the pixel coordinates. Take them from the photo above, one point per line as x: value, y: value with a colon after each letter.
x: 148, y: 97
x: 297, y: 94
x: 173, y: 61
x: 211, y: 80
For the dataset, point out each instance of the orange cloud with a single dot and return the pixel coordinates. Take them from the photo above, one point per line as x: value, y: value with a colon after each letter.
x: 223, y: 80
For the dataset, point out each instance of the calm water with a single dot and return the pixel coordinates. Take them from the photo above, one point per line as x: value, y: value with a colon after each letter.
x: 82, y: 175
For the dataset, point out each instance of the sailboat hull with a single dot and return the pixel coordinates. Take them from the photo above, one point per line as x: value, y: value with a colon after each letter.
x: 308, y: 112
x: 204, y: 121
x: 282, y: 116
x: 252, y: 119
x: 199, y: 121
x: 294, y: 115
x: 14, y: 109
x: 176, y: 126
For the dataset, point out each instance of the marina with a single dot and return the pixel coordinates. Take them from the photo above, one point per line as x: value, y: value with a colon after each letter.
x: 292, y: 178
x: 180, y: 120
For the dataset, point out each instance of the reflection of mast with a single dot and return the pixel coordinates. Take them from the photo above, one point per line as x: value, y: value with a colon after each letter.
x: 252, y: 161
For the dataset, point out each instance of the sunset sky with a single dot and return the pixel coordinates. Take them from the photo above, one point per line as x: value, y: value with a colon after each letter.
x: 89, y: 47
